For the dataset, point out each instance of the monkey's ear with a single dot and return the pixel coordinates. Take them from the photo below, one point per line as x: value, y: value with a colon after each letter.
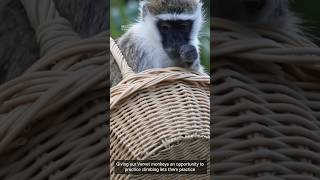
x: 144, y: 11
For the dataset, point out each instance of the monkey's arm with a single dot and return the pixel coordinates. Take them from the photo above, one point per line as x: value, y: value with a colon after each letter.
x: 115, y: 74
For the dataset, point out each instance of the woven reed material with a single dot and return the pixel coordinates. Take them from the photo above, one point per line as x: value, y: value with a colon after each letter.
x: 265, y: 104
x: 53, y: 117
x: 159, y: 114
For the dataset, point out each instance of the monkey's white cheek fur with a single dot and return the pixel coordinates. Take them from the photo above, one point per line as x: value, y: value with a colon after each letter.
x: 145, y: 46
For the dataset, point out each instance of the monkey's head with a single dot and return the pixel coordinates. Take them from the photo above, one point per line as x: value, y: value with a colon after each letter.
x: 175, y: 26
x: 262, y: 12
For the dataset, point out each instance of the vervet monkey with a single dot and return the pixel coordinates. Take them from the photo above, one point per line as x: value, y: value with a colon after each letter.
x: 265, y: 13
x: 18, y: 45
x: 166, y: 35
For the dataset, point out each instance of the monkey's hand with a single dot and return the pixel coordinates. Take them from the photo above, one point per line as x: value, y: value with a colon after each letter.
x: 188, y: 53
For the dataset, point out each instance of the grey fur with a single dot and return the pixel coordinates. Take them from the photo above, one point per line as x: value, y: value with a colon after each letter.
x: 169, y: 6
x: 18, y: 46
x: 140, y: 55
x: 134, y: 55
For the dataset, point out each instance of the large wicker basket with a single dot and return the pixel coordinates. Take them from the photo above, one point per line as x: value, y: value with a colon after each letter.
x: 266, y: 104
x: 159, y: 114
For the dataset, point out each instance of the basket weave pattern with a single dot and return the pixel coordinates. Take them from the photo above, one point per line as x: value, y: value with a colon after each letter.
x: 265, y: 105
x: 159, y: 114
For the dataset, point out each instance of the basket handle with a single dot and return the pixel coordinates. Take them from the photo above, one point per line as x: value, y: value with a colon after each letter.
x: 118, y: 56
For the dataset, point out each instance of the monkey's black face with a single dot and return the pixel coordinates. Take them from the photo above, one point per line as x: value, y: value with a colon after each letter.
x: 175, y: 36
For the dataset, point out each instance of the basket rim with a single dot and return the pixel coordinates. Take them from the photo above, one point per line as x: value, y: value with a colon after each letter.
x: 151, y: 77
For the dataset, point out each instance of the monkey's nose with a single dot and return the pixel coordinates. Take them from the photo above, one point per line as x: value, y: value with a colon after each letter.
x: 254, y: 6
x: 188, y: 54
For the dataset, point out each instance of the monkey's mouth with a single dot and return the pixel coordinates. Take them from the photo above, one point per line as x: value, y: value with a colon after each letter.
x: 185, y: 56
x: 187, y: 65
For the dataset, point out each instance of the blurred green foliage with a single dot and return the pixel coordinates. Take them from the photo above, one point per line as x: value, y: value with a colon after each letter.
x: 123, y: 13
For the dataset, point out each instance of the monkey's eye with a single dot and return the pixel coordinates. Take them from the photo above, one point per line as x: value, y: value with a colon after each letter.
x: 164, y: 26
x: 184, y: 25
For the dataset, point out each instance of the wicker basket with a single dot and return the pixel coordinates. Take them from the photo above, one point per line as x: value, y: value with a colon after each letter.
x: 266, y: 108
x: 159, y: 114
